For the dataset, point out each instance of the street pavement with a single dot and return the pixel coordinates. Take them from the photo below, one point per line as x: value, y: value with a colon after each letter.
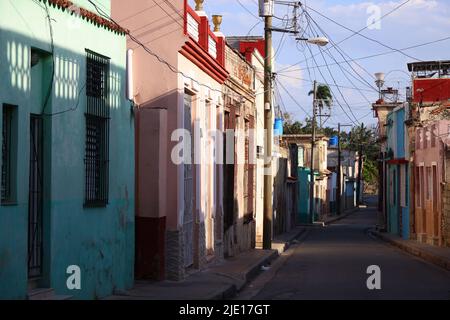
x: 331, y: 263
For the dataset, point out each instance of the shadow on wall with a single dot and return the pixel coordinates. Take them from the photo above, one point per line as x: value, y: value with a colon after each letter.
x: 240, y: 236
x: 99, y: 240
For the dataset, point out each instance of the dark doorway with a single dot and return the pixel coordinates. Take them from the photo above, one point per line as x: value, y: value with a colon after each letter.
x: 35, y: 202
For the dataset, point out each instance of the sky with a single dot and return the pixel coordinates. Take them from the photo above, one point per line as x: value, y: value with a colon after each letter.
x: 352, y: 82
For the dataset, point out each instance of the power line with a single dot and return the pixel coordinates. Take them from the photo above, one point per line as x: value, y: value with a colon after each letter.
x: 324, y: 79
x: 354, y: 33
x: 343, y: 70
x: 342, y: 53
x: 364, y: 36
x: 340, y: 86
x: 292, y: 98
x: 246, y: 9
x: 371, y: 56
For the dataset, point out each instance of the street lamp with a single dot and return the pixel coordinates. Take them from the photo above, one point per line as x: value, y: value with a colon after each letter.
x: 380, y: 76
x: 319, y: 41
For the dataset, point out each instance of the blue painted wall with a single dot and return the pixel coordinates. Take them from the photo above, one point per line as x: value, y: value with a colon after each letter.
x: 304, y: 179
x: 398, y: 215
x: 101, y: 240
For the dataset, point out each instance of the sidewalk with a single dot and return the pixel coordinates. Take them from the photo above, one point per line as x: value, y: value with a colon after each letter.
x: 222, y: 281
x: 436, y: 255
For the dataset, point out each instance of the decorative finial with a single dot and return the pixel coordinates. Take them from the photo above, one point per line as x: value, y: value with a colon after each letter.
x: 199, y: 5
x: 217, y: 20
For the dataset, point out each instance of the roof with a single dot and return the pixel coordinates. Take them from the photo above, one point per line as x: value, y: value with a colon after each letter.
x: 88, y: 15
x: 429, y: 65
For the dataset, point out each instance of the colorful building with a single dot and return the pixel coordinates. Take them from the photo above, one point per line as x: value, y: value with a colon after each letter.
x: 321, y: 173
x: 430, y: 172
x: 239, y: 215
x: 67, y: 188
x: 178, y: 91
x: 387, y: 103
x: 428, y: 145
x: 253, y: 50
x: 349, y: 177
x: 398, y: 216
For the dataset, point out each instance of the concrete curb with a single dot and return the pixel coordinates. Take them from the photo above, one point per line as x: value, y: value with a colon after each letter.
x: 427, y: 256
x: 255, y: 269
x: 281, y: 245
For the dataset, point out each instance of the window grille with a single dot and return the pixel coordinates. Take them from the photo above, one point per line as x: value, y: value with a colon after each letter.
x: 6, y: 154
x: 97, y: 130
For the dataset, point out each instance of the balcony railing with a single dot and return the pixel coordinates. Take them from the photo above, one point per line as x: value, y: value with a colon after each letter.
x: 212, y: 47
x: 198, y: 28
x: 193, y: 27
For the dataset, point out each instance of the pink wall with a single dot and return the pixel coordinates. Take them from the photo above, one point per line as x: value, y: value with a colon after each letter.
x: 429, y: 153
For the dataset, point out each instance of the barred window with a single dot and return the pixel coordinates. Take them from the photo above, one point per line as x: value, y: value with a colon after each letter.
x: 6, y: 153
x: 9, y: 153
x: 97, y: 130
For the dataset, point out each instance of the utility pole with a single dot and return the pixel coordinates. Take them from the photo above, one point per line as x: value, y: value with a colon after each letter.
x: 339, y: 175
x: 313, y: 142
x: 360, y: 171
x: 268, y: 126
x: 267, y: 11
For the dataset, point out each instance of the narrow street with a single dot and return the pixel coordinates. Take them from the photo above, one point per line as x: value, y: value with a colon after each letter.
x: 331, y: 263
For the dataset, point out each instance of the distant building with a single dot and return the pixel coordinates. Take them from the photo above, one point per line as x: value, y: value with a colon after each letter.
x: 349, y: 177
x: 321, y: 173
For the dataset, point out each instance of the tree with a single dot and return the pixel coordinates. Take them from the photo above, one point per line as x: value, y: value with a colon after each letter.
x: 323, y: 95
x: 365, y: 138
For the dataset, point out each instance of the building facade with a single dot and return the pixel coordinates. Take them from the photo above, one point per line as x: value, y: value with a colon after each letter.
x: 349, y: 177
x: 179, y: 187
x: 321, y: 173
x: 429, y: 161
x: 398, y: 171
x: 387, y: 103
x: 67, y: 202
x: 427, y: 135
x: 239, y: 174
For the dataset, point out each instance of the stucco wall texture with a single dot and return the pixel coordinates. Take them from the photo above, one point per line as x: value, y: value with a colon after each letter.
x: 101, y: 240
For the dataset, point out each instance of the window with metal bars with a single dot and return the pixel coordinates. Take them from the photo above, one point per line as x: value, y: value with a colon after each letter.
x: 97, y: 131
x: 7, y: 150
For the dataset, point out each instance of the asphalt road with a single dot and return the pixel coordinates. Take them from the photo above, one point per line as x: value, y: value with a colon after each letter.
x: 331, y: 263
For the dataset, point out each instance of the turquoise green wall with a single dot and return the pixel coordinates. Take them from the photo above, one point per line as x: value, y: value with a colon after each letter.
x: 304, y: 181
x: 100, y: 241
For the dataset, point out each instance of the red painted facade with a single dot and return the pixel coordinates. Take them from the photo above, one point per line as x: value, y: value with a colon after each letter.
x: 247, y: 48
x: 198, y: 52
x: 431, y: 90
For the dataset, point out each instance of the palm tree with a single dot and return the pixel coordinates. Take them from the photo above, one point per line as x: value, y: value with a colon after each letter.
x: 324, y: 95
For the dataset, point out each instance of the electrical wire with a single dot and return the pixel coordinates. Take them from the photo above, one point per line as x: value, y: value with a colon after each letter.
x: 354, y: 33
x: 373, y: 55
x: 292, y: 98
